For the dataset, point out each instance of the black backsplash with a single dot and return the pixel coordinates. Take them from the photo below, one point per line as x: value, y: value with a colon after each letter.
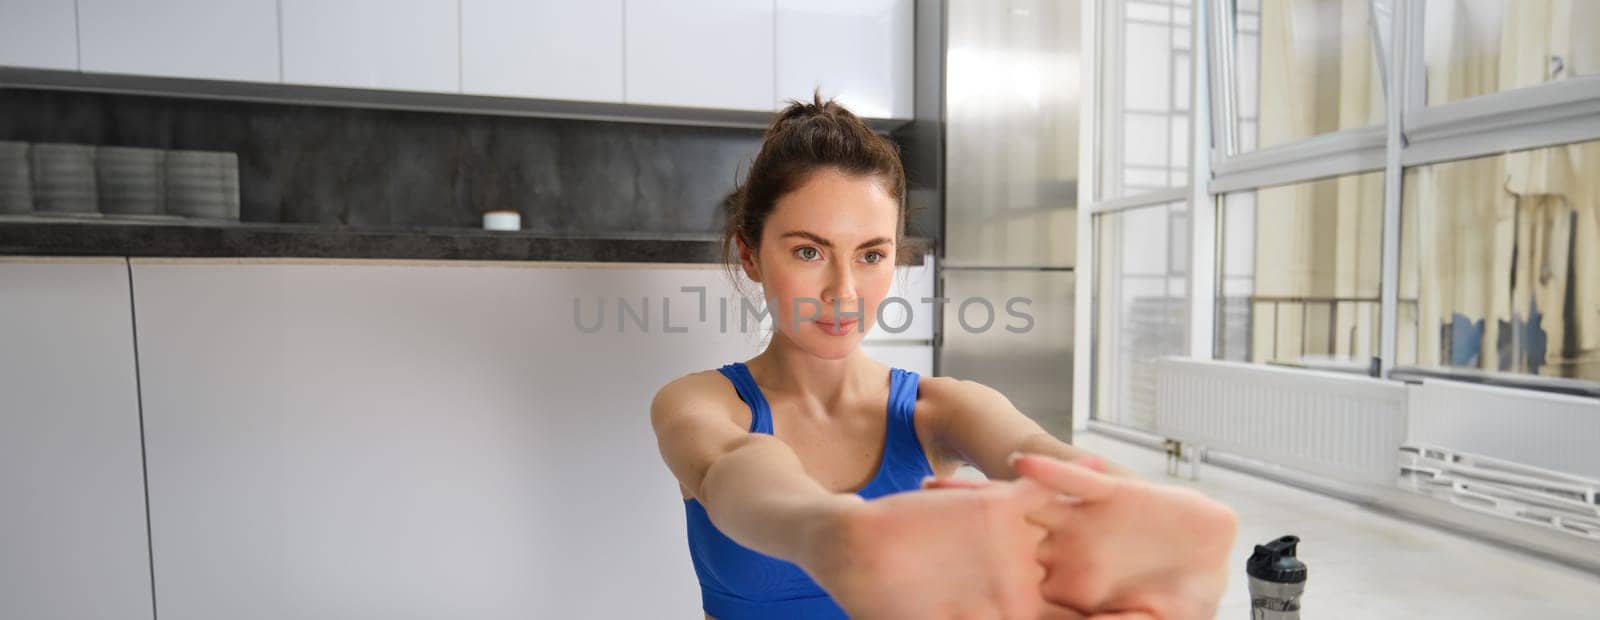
x: 364, y: 168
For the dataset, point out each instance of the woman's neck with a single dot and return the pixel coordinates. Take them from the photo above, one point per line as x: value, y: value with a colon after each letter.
x: 822, y: 385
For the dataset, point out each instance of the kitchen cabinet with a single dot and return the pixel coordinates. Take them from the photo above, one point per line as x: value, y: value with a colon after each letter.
x: 412, y: 45
x: 73, y: 538
x: 39, y: 34
x: 205, y: 39
x: 700, y: 53
x: 417, y: 440
x: 714, y: 55
x: 544, y: 49
x: 858, y: 51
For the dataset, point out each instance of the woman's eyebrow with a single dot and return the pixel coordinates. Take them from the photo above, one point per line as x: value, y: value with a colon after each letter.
x: 826, y: 243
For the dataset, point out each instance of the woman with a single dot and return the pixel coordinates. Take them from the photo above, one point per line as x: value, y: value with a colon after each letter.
x: 777, y: 457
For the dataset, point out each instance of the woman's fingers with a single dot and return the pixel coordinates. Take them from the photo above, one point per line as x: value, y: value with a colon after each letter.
x: 932, y: 482
x: 1053, y: 611
x: 1070, y: 478
x: 1092, y: 462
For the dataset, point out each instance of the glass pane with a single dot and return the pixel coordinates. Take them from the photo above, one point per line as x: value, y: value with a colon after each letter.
x: 1299, y: 271
x: 1501, y: 256
x: 1140, y: 298
x: 1144, y: 136
x: 1477, y: 47
x: 1304, y: 68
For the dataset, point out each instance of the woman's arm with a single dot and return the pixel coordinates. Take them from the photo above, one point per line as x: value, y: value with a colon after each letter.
x: 752, y: 485
x: 982, y: 425
x: 966, y: 553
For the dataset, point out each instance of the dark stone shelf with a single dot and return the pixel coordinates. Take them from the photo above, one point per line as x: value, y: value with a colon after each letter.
x: 39, y: 236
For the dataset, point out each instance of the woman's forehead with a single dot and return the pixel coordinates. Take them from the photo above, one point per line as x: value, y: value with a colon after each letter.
x: 837, y: 205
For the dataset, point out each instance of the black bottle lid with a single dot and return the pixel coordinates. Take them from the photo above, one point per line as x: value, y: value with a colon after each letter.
x: 1275, y: 562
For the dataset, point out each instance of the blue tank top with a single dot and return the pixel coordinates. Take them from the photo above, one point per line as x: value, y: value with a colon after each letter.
x: 737, y: 582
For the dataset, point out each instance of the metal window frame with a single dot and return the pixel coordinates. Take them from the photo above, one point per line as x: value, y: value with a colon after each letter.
x: 1561, y: 112
x: 1413, y: 134
x: 1194, y: 193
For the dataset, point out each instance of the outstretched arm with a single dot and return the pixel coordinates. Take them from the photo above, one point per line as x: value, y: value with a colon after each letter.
x: 752, y: 485
x: 982, y: 425
x: 964, y: 553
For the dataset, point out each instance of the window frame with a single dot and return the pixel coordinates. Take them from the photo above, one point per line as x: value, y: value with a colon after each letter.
x: 1413, y: 134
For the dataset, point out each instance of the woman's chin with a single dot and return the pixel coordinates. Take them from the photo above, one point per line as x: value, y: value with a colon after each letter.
x: 835, y: 347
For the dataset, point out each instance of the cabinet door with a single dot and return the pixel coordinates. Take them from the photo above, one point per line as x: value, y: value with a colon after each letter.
x: 73, y: 540
x: 700, y: 53
x: 418, y: 441
x: 39, y: 34
x: 858, y: 51
x: 206, y: 39
x: 381, y: 44
x: 543, y: 49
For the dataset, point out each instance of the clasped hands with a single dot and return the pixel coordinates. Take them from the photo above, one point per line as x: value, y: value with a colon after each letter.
x: 1062, y: 541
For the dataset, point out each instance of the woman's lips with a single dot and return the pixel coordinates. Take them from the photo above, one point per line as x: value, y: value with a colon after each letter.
x: 835, y: 329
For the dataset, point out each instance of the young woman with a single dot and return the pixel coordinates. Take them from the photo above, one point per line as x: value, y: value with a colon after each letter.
x: 795, y: 466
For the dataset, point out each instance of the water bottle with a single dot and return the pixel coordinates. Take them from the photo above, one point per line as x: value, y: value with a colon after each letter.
x: 1277, y: 578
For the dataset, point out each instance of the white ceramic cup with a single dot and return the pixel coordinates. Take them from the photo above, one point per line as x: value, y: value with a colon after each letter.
x: 502, y: 220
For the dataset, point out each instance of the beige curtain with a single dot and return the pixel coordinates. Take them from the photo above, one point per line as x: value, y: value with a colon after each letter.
x: 1498, y: 237
x: 1318, y: 244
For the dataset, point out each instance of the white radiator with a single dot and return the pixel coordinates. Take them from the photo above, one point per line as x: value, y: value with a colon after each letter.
x: 1549, y: 431
x: 1344, y: 427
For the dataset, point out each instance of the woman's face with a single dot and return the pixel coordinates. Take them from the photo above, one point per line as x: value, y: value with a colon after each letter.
x: 826, y: 260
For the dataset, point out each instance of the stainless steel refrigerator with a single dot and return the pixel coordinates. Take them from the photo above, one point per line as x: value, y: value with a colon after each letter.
x: 1010, y: 102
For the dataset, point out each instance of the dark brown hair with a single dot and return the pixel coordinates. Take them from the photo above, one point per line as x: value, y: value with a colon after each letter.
x: 802, y: 139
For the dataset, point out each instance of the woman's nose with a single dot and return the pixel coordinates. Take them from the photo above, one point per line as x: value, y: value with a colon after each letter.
x: 841, y: 288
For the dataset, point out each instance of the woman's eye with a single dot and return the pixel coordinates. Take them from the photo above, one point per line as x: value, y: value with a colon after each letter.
x: 808, y: 253
x: 875, y: 257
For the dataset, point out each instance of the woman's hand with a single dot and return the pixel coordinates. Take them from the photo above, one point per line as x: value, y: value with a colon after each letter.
x: 956, y: 554
x: 1126, y: 547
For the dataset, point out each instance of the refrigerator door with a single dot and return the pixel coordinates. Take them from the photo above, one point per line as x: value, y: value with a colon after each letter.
x: 1011, y: 184
x: 1011, y: 136
x: 1026, y: 351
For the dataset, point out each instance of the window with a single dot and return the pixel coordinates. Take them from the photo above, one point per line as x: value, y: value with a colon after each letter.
x: 1303, y: 68
x: 1141, y: 313
x: 1145, y: 125
x: 1299, y: 272
x: 1502, y: 255
x: 1478, y: 47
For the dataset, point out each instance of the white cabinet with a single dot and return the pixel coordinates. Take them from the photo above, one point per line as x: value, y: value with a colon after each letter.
x: 380, y: 44
x: 707, y: 54
x: 39, y: 34
x: 700, y: 53
x: 544, y: 49
x: 417, y: 441
x: 73, y: 541
x: 859, y: 51
x: 206, y: 39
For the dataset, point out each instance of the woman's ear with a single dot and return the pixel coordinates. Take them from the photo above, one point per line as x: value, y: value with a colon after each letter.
x: 749, y: 260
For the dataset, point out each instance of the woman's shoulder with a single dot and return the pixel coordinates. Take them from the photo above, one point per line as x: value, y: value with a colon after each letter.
x: 946, y: 391
x: 700, y: 392
x: 941, y: 399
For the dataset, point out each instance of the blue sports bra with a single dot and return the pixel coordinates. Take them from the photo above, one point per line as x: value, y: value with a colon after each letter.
x: 737, y: 582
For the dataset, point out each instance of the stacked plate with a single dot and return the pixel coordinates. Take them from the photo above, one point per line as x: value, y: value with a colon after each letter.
x: 132, y: 181
x: 202, y: 184
x: 77, y: 180
x: 16, y: 183
x: 64, y: 179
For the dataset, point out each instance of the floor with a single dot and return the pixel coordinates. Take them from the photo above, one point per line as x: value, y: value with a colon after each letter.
x: 1363, y: 564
